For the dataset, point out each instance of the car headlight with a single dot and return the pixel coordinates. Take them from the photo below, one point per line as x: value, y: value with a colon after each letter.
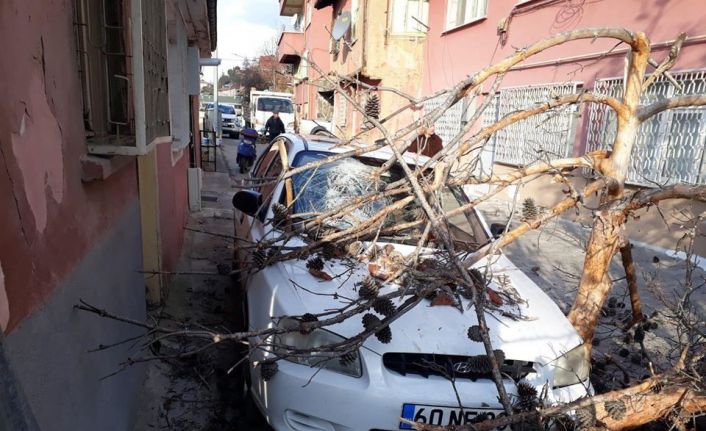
x: 572, y: 367
x: 316, y: 338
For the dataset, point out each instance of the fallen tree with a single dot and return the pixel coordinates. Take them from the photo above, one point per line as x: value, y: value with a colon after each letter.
x: 674, y: 394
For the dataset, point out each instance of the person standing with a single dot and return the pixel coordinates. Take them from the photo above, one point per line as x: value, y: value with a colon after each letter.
x: 274, y: 126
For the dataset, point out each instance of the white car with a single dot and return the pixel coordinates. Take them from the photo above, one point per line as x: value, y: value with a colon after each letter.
x: 231, y: 122
x: 315, y: 127
x: 408, y: 376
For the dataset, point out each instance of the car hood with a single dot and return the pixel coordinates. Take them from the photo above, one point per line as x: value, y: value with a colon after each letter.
x: 541, y: 336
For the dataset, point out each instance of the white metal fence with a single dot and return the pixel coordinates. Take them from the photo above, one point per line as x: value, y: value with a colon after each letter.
x: 542, y: 137
x: 453, y: 121
x: 670, y: 146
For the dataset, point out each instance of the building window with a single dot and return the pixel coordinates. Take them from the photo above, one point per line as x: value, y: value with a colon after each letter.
x: 409, y: 16
x: 669, y: 147
x: 460, y: 12
x: 539, y: 138
x: 101, y: 36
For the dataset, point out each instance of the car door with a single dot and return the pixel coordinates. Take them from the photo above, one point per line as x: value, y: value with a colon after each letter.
x: 249, y: 229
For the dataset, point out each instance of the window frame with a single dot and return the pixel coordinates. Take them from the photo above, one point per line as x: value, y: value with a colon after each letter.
x: 462, y: 21
x: 408, y: 20
x: 136, y: 30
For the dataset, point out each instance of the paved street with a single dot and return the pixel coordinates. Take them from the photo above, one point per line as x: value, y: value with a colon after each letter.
x: 199, y: 393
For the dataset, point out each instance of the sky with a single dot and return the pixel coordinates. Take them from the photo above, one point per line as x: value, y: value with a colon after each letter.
x: 244, y: 26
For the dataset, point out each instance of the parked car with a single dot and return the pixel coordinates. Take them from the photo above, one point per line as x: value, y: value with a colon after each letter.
x: 407, y: 377
x: 231, y: 122
x: 315, y: 127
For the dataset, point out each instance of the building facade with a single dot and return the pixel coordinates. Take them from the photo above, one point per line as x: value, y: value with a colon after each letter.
x: 382, y: 46
x: 467, y: 35
x: 98, y: 129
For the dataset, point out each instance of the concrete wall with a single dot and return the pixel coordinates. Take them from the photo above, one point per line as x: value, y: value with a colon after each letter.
x: 48, y: 351
x: 49, y: 219
x: 452, y: 55
x: 172, y: 168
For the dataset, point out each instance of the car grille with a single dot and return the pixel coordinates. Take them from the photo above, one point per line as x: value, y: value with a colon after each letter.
x: 430, y: 364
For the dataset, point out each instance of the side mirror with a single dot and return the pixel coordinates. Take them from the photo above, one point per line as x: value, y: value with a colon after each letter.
x: 497, y: 229
x: 247, y: 201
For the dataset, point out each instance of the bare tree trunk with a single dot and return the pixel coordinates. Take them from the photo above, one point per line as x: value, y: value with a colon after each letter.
x: 595, y: 283
x: 608, y: 224
x: 631, y: 279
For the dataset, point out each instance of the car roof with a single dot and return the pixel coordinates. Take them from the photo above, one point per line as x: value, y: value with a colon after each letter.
x: 333, y: 145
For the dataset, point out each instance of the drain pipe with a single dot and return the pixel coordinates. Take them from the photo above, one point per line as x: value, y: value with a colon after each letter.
x: 15, y: 413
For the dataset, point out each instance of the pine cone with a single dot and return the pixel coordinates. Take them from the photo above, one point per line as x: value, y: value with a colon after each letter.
x: 639, y: 335
x: 329, y: 250
x: 585, y: 418
x: 384, y: 306
x: 306, y: 318
x: 527, y: 396
x: 280, y: 214
x: 372, y: 106
x: 317, y: 232
x: 348, y: 358
x: 414, y: 214
x: 384, y: 335
x: 259, y: 258
x: 474, y: 334
x: 370, y: 321
x: 268, y: 369
x: 368, y: 288
x: 315, y: 263
x: 529, y: 210
x: 615, y: 408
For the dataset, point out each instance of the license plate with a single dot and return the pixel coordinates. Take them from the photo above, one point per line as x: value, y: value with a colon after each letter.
x: 445, y: 416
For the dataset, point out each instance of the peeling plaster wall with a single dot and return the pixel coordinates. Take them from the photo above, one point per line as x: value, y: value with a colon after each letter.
x: 49, y: 219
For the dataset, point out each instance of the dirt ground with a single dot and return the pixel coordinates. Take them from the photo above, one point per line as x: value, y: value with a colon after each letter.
x: 553, y: 257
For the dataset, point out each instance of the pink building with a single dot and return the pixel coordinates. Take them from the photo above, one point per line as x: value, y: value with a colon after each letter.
x: 465, y: 36
x: 382, y: 46
x: 98, y: 131
x: 300, y: 43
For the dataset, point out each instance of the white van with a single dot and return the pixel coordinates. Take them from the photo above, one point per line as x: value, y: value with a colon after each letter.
x: 262, y: 103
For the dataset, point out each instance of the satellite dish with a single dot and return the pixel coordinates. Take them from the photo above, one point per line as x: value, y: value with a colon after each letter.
x: 343, y: 23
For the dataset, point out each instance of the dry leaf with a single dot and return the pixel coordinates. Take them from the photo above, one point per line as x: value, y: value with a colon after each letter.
x: 320, y: 274
x: 495, y: 297
x: 378, y: 271
x: 442, y: 298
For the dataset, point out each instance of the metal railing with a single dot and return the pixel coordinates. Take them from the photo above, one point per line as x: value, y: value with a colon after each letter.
x: 670, y: 146
x: 542, y: 137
